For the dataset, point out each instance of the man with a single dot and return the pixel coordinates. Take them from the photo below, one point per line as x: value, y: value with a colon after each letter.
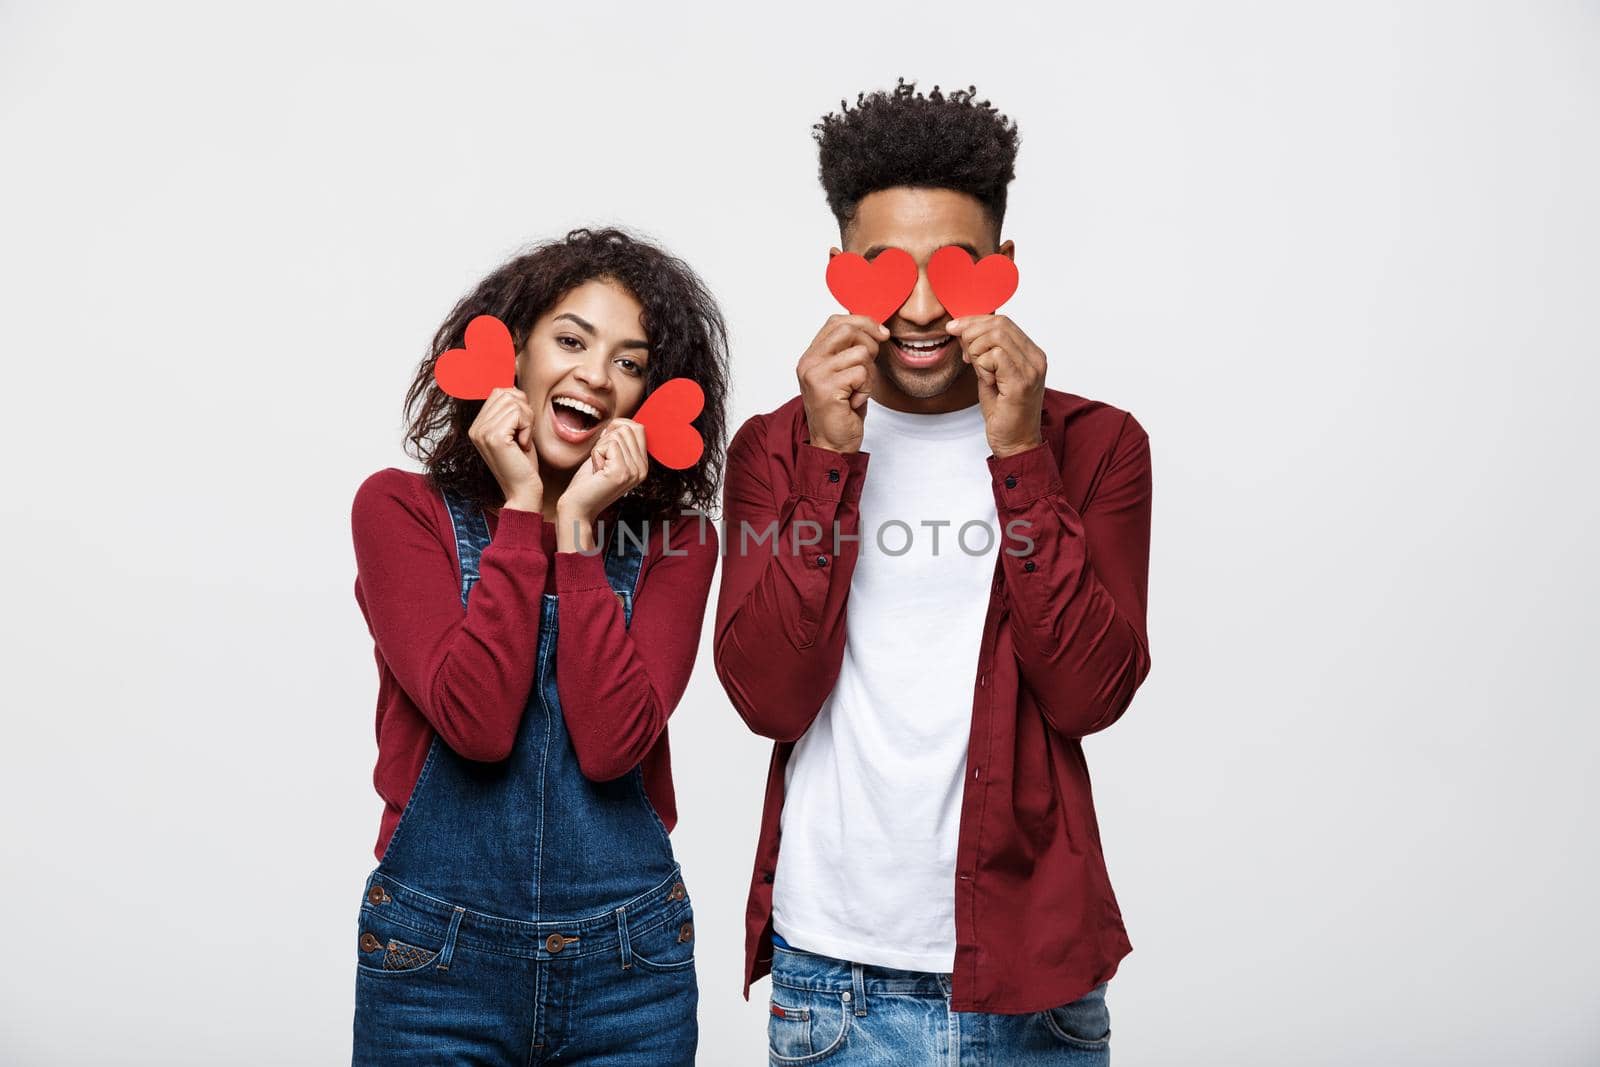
x: 940, y: 894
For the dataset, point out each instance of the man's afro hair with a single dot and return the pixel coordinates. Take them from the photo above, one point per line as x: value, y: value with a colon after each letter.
x: 901, y: 137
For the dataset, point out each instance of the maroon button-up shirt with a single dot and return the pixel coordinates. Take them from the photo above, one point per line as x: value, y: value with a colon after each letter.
x: 1064, y: 649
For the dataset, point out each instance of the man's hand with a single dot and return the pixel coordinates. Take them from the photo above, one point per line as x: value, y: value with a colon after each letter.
x: 837, y: 373
x: 1010, y: 371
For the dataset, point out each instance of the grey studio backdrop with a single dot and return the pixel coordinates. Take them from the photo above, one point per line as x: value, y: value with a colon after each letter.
x: 1339, y: 259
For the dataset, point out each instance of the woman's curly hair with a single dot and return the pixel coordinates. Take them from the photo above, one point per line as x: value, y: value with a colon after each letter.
x: 901, y: 137
x: 685, y: 330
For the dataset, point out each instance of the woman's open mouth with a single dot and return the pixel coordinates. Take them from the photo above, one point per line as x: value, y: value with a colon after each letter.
x: 921, y: 353
x: 573, y: 420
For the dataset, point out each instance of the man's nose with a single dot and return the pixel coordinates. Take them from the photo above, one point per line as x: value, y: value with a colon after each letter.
x: 922, y: 306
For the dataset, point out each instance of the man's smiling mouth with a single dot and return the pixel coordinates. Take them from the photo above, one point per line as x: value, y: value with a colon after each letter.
x: 921, y: 352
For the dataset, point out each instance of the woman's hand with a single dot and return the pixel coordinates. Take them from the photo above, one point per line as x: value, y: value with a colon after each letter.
x: 503, y: 435
x: 617, y: 464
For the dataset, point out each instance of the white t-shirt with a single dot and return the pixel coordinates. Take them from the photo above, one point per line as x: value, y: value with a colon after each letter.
x: 872, y: 802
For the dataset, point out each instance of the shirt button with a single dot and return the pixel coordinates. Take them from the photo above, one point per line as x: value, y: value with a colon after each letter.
x: 822, y: 561
x: 1028, y: 566
x: 833, y: 475
x: 767, y: 877
x: 1011, y: 481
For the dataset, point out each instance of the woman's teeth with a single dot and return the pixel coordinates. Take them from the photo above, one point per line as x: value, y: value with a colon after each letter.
x: 573, y: 419
x: 578, y: 405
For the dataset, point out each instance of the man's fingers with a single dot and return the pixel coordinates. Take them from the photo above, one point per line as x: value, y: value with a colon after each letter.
x: 988, y: 363
x: 980, y: 342
x: 860, y: 321
x: 823, y: 372
x: 850, y: 334
x: 854, y: 356
x: 854, y: 383
x: 986, y: 375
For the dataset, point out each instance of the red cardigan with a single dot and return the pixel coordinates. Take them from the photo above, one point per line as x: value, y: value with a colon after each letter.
x: 466, y: 675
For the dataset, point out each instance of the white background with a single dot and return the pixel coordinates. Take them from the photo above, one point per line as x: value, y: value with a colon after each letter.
x: 1339, y: 259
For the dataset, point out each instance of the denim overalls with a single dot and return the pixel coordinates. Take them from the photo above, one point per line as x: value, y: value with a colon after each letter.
x: 522, y: 913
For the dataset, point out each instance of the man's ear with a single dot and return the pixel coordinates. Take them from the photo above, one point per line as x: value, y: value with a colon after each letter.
x: 1009, y: 250
x: 833, y: 252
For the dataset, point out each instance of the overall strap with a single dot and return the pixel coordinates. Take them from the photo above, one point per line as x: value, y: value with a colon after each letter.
x: 624, y: 556
x: 472, y: 534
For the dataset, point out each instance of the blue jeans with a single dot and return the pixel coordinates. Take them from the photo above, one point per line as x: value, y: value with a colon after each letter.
x: 826, y: 1010
x: 445, y: 984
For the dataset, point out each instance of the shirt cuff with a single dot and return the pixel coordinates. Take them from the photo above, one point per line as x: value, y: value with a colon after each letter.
x: 576, y: 572
x: 823, y: 474
x: 519, y: 529
x: 1022, y: 478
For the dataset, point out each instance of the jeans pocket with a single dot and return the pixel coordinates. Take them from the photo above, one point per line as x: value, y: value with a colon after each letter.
x: 805, y: 1026
x: 1084, y: 1023
x: 392, y: 942
x: 668, y: 946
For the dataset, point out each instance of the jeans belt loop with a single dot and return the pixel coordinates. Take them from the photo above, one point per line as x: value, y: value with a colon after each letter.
x: 859, y: 981
x: 622, y: 938
x: 449, y: 948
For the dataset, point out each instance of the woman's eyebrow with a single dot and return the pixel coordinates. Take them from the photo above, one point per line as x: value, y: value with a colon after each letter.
x: 591, y: 331
x: 569, y: 315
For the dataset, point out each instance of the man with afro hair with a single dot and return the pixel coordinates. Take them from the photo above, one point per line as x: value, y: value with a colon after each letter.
x: 928, y: 641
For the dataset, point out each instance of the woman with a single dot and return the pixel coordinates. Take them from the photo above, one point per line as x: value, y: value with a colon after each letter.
x: 526, y: 904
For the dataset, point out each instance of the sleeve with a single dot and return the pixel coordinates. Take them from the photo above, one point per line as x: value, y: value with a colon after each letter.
x: 468, y: 672
x: 619, y: 684
x: 780, y: 624
x: 1077, y: 582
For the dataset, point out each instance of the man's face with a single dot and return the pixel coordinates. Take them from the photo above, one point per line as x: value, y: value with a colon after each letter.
x: 920, y: 361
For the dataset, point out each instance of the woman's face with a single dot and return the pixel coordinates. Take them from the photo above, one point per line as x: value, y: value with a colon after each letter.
x: 583, y: 365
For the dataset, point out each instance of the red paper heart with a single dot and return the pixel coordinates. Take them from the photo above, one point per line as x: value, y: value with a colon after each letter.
x: 968, y: 288
x: 875, y: 288
x: 488, y: 362
x: 666, y: 415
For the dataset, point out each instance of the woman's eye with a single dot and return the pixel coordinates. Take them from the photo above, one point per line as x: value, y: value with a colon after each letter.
x: 564, y: 338
x: 630, y: 366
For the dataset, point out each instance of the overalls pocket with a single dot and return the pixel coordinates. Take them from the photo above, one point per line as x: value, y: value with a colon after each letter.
x: 394, y: 941
x: 668, y: 946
